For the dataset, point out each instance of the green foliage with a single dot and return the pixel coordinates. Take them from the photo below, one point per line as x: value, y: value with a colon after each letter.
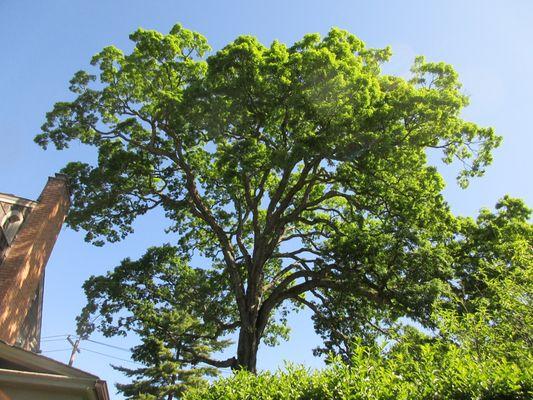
x: 490, y: 303
x: 481, y: 354
x: 298, y: 173
x: 173, y: 310
x: 480, y: 270
x: 438, y: 373
x: 494, y: 246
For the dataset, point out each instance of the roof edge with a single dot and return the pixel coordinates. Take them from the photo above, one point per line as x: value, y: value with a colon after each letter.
x: 16, y: 200
x: 31, y: 360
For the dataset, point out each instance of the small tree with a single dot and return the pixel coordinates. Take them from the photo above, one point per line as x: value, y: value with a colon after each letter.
x: 299, y: 172
x: 489, y: 309
x: 166, y: 300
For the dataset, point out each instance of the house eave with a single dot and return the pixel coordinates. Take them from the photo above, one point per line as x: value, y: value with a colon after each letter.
x: 19, y: 201
x: 36, y: 380
x: 44, y: 373
x: 39, y: 362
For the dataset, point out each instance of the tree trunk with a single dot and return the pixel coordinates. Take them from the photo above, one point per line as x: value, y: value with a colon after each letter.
x: 247, y: 349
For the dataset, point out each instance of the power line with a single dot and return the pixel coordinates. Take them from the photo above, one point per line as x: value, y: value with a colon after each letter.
x: 54, y: 336
x: 107, y: 355
x: 109, y: 345
x: 222, y: 370
x: 76, y: 348
x: 51, y: 339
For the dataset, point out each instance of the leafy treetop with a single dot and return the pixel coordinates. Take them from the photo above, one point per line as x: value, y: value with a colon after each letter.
x: 292, y: 170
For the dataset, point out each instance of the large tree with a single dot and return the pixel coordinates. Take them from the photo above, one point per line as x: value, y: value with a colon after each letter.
x: 298, y: 173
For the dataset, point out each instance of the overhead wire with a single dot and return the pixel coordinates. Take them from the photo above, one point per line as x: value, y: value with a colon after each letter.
x: 60, y: 337
x: 107, y: 355
x: 222, y: 370
x: 54, y: 340
x: 55, y: 336
x: 108, y: 345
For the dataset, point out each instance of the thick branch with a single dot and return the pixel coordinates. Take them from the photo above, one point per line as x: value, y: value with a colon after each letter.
x: 279, y: 296
x: 230, y: 362
x: 312, y: 306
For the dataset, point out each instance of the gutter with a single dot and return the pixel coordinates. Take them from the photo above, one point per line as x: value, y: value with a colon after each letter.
x: 90, y: 389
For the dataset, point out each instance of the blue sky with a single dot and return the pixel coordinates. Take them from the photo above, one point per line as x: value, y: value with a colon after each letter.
x: 44, y: 43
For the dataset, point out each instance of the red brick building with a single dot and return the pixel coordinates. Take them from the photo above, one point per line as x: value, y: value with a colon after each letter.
x: 28, y: 232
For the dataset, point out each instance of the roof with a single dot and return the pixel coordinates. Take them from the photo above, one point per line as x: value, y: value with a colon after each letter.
x: 22, y: 367
x: 12, y: 199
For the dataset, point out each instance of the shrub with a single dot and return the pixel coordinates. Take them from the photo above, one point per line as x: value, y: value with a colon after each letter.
x: 411, y: 370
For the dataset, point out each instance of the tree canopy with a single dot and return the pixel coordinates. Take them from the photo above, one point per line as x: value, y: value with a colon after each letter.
x: 299, y: 173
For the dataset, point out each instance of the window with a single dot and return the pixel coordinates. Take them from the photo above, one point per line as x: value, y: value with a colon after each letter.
x: 11, y: 224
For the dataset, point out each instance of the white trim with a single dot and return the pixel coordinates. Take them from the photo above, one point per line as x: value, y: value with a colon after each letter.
x: 48, y: 373
x: 86, y: 388
x: 19, y: 201
x: 38, y: 362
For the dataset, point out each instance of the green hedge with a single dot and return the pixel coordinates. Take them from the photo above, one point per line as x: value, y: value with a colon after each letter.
x: 429, y: 371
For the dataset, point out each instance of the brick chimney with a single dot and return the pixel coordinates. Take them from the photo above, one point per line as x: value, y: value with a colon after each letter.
x: 28, y: 232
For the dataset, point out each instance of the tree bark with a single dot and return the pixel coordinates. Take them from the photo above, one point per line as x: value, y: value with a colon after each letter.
x: 247, y: 348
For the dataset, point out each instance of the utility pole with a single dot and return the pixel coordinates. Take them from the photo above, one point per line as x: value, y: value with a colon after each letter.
x: 75, y: 349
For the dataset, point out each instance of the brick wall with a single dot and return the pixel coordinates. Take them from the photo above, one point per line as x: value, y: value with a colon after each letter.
x: 22, y: 269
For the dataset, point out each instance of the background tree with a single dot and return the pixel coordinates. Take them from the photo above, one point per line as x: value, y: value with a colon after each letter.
x: 483, y: 300
x: 492, y: 295
x: 164, y: 302
x: 266, y: 160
